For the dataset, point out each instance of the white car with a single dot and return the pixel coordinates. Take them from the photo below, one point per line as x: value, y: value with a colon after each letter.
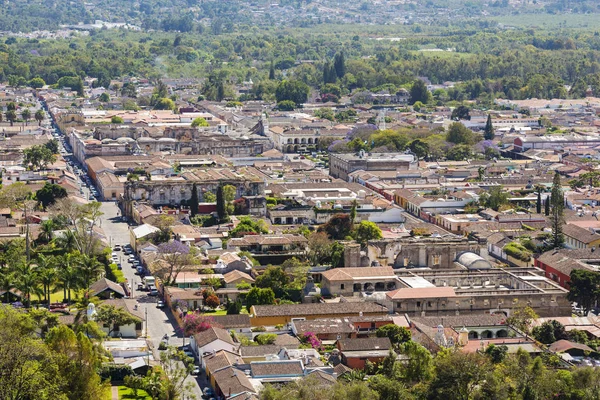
x: 196, y: 370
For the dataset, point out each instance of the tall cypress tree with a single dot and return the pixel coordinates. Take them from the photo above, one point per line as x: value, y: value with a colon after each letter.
x: 557, y: 201
x: 339, y: 64
x: 547, y: 207
x: 538, y: 204
x: 272, y: 71
x: 194, y: 202
x: 221, y: 210
x: 488, y: 131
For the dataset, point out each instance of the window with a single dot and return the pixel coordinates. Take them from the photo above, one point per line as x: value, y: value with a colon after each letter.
x: 342, y: 286
x: 406, y: 261
x: 429, y: 304
x: 437, y: 259
x: 418, y: 304
x: 398, y: 305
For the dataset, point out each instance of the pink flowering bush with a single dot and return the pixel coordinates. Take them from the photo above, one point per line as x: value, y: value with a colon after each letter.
x: 312, y: 339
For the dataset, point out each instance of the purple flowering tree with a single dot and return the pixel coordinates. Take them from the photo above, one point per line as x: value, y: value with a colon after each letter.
x: 173, y: 257
x: 313, y: 340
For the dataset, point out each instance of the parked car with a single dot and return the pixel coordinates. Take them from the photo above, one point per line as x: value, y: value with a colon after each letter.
x: 160, y: 304
x: 117, y: 247
x: 196, y: 370
x: 152, y: 291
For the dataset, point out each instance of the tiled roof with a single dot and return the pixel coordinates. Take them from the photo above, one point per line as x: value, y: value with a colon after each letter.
x: 561, y: 346
x: 212, y: 334
x: 104, y: 284
x: 236, y: 275
x: 232, y: 321
x: 421, y: 293
x: 580, y: 234
x: 348, y: 274
x: 220, y: 359
x: 231, y: 381
x: 364, y: 344
x: 277, y: 368
x: 323, y: 378
x: 259, y: 351
x: 345, y: 308
x: 324, y: 326
x: 458, y: 321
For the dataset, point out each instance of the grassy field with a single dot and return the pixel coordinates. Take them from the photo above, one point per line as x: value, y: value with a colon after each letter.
x: 127, y: 393
x: 55, y: 297
x: 550, y: 21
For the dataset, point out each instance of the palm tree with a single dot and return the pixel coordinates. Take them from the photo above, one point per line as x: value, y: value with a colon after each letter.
x: 11, y: 116
x: 67, y: 241
x: 28, y: 284
x: 7, y: 282
x: 39, y: 116
x: 47, y: 275
x: 68, y: 275
x: 47, y: 231
x: 89, y: 269
x: 26, y: 114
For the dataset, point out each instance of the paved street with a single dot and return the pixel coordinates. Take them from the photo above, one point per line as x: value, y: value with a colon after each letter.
x: 160, y: 321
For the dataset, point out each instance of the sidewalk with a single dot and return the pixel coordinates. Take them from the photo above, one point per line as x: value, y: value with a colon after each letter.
x: 115, y: 392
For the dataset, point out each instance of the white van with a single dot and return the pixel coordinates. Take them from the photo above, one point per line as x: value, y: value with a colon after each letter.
x: 149, y: 281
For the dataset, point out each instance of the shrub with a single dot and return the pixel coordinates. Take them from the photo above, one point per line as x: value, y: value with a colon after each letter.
x: 265, y: 338
x: 114, y: 372
x: 518, y: 251
x: 259, y: 329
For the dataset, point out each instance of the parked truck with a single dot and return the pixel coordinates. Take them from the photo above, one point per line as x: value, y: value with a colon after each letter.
x: 149, y: 281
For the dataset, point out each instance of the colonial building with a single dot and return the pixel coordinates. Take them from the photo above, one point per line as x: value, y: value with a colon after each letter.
x: 341, y: 165
x: 493, y: 291
x: 351, y: 281
x: 418, y: 252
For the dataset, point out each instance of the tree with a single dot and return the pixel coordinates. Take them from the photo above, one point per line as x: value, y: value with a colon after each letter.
x: 319, y: 248
x: 114, y: 317
x: 460, y: 152
x: 521, y: 318
x: 221, y: 206
x: 458, y: 376
x: 396, y: 334
x: 273, y: 277
x: 338, y: 227
x: 293, y: 90
x: 52, y: 145
x: 29, y: 366
x: 420, y: 148
x: 212, y: 301
x: 11, y: 116
x: 11, y: 106
x: 339, y: 64
x: 549, y: 332
x: 26, y: 114
x: 460, y: 112
x: 488, y: 131
x: 104, y: 97
x: 195, y: 323
x: 173, y: 257
x: 337, y: 254
x: 258, y: 296
x: 172, y: 376
x: 37, y: 83
x: 366, y: 231
x: 460, y: 134
x: 47, y: 228
x: 49, y: 193
x: 234, y: 307
x: 38, y: 157
x: 39, y: 116
x: 547, y: 207
x: 557, y: 203
x: 248, y: 226
x: 497, y: 354
x: 194, y: 202
x: 419, y: 367
x: 286, y: 105
x: 115, y: 119
x: 89, y: 269
x: 495, y: 198
x: 265, y: 338
x: 209, y: 197
x: 199, y: 122
x: 584, y: 289
x: 538, y: 203
x: 164, y: 104
x: 271, y: 71
x: 419, y: 92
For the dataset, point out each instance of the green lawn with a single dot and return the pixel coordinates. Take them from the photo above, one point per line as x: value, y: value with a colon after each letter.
x: 127, y: 393
x: 215, y: 312
x: 56, y: 297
